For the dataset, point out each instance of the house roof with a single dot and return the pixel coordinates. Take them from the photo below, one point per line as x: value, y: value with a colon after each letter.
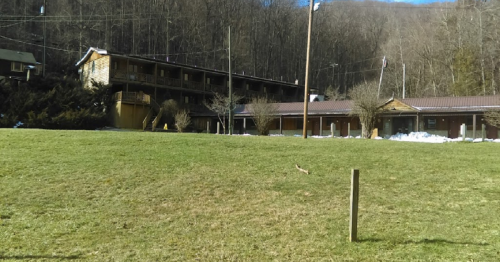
x: 420, y: 105
x: 17, y: 56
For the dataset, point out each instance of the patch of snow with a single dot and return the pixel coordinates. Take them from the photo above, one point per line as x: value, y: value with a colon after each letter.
x: 419, y: 137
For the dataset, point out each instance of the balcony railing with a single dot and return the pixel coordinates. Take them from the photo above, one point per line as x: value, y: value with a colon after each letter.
x: 193, y: 85
x: 133, y: 97
x: 216, y: 88
x: 168, y: 81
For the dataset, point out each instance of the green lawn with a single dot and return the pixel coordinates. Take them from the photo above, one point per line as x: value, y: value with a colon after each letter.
x: 134, y: 196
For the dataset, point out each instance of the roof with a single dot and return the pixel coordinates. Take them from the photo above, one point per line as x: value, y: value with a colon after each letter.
x: 421, y: 105
x: 454, y: 104
x: 185, y: 66
x: 89, y: 53
x: 17, y: 56
x: 297, y: 108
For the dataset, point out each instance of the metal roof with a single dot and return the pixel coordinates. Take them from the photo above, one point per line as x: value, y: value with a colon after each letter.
x: 454, y: 104
x: 17, y: 56
x: 422, y: 105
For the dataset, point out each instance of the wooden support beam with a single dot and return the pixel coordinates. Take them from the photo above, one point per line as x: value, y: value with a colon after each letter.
x: 353, y: 221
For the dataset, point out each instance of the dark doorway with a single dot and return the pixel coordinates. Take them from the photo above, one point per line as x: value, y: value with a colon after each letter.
x: 315, y: 127
x: 344, y: 128
x: 454, y: 127
x: 402, y: 125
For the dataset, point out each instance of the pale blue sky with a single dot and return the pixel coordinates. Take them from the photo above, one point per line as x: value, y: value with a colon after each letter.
x: 306, y: 2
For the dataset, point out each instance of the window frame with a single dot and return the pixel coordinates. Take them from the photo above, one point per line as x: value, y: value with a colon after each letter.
x: 18, y: 69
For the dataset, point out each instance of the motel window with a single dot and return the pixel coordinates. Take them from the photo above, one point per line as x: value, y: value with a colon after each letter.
x: 469, y: 121
x: 300, y: 123
x: 162, y: 73
x: 132, y: 68
x: 248, y: 87
x: 115, y: 65
x: 431, y: 123
x: 17, y: 67
x: 186, y: 77
x: 186, y: 99
x: 208, y: 80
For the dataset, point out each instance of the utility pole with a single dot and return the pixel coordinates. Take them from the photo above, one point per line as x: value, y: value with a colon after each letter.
x: 306, y: 85
x: 384, y: 63
x: 404, y: 78
x: 43, y: 12
x: 231, y: 112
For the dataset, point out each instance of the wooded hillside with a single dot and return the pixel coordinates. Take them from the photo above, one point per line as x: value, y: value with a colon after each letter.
x: 448, y: 48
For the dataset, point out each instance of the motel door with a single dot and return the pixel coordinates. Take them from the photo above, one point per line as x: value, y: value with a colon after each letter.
x: 344, y: 128
x: 315, y: 127
x: 454, y: 127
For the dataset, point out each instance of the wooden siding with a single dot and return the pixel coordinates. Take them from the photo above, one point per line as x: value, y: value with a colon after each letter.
x: 97, y: 70
x: 397, y: 105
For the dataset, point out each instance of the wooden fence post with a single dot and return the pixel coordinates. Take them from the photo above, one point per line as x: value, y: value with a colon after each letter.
x: 218, y: 128
x: 353, y: 221
x: 348, y: 130
x: 463, y: 131
x: 332, y: 129
x: 483, y: 130
x: 208, y: 127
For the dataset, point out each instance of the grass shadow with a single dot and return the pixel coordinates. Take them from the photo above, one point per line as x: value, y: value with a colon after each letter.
x: 370, y: 239
x: 442, y: 241
x: 423, y: 241
x: 31, y: 257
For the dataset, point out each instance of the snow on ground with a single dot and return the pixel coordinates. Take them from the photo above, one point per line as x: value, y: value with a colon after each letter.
x: 425, y: 137
x: 422, y: 137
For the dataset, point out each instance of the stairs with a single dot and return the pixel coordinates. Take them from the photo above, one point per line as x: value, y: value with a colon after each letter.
x: 153, y: 117
x: 149, y: 126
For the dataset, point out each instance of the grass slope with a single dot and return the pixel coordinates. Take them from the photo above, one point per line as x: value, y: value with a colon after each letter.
x: 133, y: 196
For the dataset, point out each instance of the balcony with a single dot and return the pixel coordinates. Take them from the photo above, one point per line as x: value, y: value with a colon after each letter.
x: 168, y: 81
x: 216, y: 88
x: 193, y: 85
x: 132, y: 97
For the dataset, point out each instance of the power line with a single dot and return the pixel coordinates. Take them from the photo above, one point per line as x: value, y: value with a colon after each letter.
x: 22, y: 22
x: 145, y: 55
x: 27, y: 43
x: 351, y: 63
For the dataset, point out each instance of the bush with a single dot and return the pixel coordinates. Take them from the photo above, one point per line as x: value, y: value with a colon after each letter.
x: 182, y: 120
x: 55, y: 103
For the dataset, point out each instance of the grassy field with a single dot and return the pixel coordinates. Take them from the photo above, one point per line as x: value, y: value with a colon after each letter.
x: 134, y: 196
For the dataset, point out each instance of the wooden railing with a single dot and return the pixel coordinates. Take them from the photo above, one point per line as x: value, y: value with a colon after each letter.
x: 193, y: 85
x: 157, y: 119
x: 168, y: 81
x: 133, y: 97
x: 147, y: 119
x: 216, y: 88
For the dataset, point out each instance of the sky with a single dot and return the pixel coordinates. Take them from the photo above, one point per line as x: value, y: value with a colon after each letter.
x: 306, y: 2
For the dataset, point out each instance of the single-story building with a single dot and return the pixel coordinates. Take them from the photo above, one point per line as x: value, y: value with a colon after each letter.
x: 439, y: 115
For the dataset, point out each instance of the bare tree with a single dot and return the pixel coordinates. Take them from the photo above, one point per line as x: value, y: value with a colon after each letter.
x: 182, y: 120
x: 220, y: 105
x: 493, y: 117
x: 366, y: 106
x: 263, y: 112
x: 333, y: 94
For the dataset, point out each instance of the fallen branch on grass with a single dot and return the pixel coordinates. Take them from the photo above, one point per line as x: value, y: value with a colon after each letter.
x: 301, y: 170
